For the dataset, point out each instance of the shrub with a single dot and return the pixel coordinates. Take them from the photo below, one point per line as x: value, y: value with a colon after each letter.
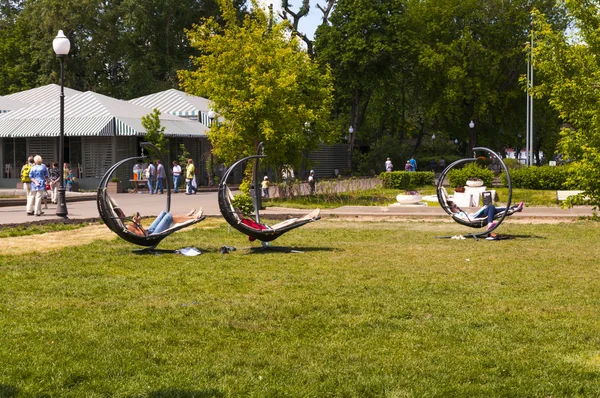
x: 542, y: 177
x: 512, y: 163
x: 243, y: 202
x: 459, y: 177
x: 406, y: 180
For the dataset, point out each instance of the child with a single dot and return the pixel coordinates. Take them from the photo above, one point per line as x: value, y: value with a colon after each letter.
x: 70, y: 178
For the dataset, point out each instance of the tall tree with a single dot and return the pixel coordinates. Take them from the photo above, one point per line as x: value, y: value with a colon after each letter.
x: 570, y: 72
x: 263, y: 85
x: 122, y: 48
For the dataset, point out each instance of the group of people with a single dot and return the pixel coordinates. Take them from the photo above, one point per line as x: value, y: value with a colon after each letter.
x: 156, y: 176
x: 411, y: 165
x: 40, y: 180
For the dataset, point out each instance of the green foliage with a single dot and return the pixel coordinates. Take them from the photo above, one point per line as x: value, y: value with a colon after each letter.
x: 155, y: 132
x: 184, y: 155
x: 405, y: 179
x: 458, y: 177
x: 124, y: 49
x: 243, y: 201
x: 263, y: 85
x: 512, y: 163
x: 543, y: 177
x: 569, y: 70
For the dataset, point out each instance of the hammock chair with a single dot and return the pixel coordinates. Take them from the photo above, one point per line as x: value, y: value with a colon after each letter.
x: 114, y: 217
x: 479, y: 222
x: 254, y: 229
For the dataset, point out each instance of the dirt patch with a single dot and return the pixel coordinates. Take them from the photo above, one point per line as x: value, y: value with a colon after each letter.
x: 55, y: 240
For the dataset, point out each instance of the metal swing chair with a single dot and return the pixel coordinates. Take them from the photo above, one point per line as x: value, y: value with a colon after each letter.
x: 114, y: 217
x: 254, y: 229
x: 442, y: 195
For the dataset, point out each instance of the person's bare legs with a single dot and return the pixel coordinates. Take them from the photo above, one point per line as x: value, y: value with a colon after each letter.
x: 192, y: 215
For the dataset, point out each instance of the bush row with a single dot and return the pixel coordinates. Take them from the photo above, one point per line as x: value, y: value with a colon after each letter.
x: 406, y: 179
x: 542, y: 177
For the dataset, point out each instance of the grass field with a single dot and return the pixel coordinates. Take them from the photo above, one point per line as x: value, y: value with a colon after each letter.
x: 370, y: 309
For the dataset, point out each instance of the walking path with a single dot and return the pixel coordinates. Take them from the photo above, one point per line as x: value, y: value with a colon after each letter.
x: 82, y: 206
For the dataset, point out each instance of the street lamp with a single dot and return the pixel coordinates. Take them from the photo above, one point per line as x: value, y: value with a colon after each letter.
x: 472, y: 135
x: 61, y: 47
x: 211, y: 177
x: 211, y: 115
x: 350, y: 145
x: 433, y: 143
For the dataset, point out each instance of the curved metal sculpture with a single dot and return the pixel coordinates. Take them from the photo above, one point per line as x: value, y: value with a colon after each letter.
x: 477, y: 222
x: 254, y: 229
x: 109, y: 213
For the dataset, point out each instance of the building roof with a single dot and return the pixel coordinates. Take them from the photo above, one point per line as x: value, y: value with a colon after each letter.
x: 90, y: 114
x: 7, y: 104
x: 40, y: 95
x: 174, y: 102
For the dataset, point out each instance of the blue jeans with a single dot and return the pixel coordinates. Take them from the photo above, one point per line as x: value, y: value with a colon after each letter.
x: 162, y: 222
x: 175, y: 183
x: 151, y: 184
x: 190, y: 187
x: 491, y: 211
x: 159, y: 185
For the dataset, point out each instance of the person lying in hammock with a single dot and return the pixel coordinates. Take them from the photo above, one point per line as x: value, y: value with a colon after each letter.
x: 487, y: 211
x: 263, y: 227
x: 163, y: 222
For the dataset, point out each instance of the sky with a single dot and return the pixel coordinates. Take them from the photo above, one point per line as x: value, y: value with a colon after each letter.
x: 309, y: 23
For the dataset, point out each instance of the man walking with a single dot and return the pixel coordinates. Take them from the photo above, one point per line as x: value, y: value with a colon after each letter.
x: 160, y: 177
x: 151, y: 175
x: 176, y: 174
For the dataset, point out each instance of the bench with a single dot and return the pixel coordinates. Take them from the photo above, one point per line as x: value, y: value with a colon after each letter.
x: 563, y: 195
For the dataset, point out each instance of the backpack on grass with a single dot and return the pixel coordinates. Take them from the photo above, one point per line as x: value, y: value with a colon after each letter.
x: 25, y: 173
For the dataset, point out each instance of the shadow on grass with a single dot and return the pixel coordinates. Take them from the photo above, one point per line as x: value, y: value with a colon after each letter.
x: 8, y: 391
x: 175, y: 393
x: 285, y: 249
x: 501, y: 237
x: 158, y: 252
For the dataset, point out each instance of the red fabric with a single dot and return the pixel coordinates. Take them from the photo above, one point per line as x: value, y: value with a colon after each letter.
x: 253, y: 224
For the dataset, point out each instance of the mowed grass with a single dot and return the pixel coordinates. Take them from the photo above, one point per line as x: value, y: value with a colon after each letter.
x: 370, y: 309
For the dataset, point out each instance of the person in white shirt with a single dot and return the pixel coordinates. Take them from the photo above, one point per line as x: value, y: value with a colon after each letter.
x: 388, y: 165
x: 176, y: 174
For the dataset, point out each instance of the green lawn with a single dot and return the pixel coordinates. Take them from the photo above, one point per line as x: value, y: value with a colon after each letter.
x: 370, y: 309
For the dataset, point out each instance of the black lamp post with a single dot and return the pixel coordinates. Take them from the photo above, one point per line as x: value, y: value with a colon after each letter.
x: 433, y: 144
x: 350, y: 147
x: 61, y: 47
x: 211, y: 177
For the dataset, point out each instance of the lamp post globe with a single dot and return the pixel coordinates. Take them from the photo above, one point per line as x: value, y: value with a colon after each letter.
x: 472, y: 124
x: 61, y: 46
x: 212, y: 114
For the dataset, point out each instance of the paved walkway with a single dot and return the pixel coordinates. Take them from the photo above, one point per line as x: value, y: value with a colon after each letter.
x: 83, y: 206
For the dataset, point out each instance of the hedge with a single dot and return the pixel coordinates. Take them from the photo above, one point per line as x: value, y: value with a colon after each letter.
x: 406, y: 179
x: 459, y: 177
x: 542, y: 177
